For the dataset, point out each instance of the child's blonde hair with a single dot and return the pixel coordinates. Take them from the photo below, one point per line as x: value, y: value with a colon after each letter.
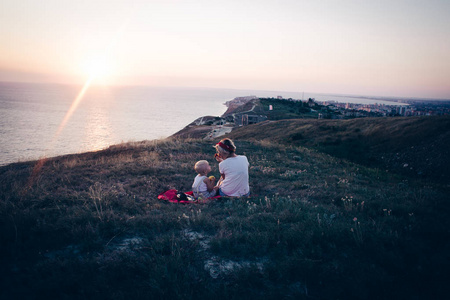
x: 200, y: 166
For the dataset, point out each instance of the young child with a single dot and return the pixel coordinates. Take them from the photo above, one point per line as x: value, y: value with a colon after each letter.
x: 203, y: 185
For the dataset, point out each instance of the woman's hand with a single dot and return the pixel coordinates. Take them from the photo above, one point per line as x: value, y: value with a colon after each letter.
x: 222, y: 177
x: 217, y: 157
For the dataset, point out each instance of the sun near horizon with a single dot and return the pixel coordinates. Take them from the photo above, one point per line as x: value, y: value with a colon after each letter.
x: 387, y: 48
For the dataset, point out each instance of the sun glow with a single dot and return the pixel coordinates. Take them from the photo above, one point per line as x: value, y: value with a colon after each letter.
x: 99, y: 70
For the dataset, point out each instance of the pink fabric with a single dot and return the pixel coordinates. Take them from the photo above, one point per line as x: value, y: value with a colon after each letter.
x: 171, y: 196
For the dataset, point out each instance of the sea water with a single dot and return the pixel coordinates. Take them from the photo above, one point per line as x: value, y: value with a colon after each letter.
x: 31, y: 115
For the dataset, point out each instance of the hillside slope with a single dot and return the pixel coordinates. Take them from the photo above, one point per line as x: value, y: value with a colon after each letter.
x: 417, y: 146
x: 90, y: 226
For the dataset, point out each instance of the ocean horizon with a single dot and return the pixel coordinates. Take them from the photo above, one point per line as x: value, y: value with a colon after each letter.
x: 35, y: 122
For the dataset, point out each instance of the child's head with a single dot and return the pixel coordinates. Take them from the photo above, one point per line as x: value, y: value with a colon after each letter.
x: 202, y: 167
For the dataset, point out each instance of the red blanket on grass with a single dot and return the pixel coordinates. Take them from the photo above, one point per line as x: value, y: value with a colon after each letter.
x: 171, y: 196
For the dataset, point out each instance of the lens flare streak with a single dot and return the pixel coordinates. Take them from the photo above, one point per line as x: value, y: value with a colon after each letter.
x: 40, y: 163
x: 73, y: 107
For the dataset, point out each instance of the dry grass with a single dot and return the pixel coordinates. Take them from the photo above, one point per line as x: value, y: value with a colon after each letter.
x: 414, y: 146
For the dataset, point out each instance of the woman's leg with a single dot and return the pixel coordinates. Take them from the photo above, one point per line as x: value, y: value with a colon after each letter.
x: 222, y: 193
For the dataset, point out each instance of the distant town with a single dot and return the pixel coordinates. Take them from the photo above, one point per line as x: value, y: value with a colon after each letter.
x: 339, y: 110
x: 406, y: 109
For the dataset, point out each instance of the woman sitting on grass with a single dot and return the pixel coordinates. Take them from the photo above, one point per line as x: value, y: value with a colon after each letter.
x: 233, y: 170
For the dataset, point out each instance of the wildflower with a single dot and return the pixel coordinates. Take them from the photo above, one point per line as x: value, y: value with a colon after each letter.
x: 355, y: 219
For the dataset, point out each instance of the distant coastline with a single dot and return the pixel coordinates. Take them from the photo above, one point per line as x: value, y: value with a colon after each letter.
x: 249, y: 110
x: 32, y: 112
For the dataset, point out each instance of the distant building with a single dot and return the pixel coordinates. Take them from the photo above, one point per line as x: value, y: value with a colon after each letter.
x: 248, y: 119
x: 402, y: 110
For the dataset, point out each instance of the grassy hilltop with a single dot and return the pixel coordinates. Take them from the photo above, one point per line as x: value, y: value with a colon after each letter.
x: 415, y: 146
x: 317, y: 226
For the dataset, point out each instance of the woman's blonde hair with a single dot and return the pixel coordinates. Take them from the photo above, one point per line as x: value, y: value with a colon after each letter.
x: 225, y: 146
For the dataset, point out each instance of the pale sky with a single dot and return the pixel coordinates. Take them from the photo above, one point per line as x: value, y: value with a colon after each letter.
x: 380, y: 48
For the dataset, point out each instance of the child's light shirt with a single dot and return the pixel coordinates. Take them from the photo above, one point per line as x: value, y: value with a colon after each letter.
x: 200, y: 189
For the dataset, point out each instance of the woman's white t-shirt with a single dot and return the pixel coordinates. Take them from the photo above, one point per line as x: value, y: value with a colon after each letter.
x: 235, y: 170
